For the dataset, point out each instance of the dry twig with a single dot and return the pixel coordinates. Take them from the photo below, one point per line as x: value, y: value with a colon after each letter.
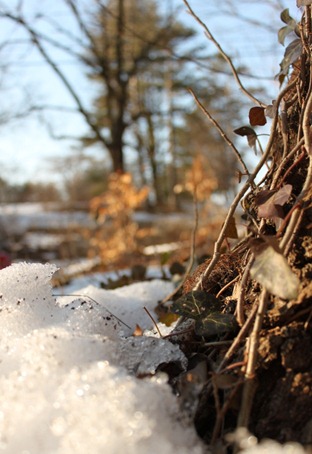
x: 220, y: 130
x: 224, y: 55
x: 192, y: 256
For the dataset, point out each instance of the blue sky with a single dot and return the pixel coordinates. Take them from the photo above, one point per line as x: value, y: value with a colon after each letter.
x: 26, y: 147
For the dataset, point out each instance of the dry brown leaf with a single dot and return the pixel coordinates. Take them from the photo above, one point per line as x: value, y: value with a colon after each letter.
x: 257, y: 116
x: 271, y: 270
x: 138, y: 331
x: 231, y: 230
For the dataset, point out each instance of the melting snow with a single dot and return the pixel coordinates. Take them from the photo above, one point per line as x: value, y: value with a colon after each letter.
x: 68, y: 372
x: 67, y: 376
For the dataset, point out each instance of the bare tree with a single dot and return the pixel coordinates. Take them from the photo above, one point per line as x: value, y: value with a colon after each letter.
x: 116, y: 42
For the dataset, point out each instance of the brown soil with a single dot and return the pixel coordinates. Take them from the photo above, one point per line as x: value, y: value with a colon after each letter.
x: 282, y: 401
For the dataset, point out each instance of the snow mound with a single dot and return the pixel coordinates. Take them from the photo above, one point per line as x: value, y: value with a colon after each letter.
x: 26, y: 300
x: 68, y: 374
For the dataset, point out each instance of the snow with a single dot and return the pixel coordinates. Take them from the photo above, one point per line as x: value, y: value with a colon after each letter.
x: 161, y: 248
x: 271, y: 447
x: 248, y: 444
x: 68, y: 371
x: 73, y: 379
x: 19, y: 218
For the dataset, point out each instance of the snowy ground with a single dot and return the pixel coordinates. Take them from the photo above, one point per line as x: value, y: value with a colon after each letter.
x: 73, y: 379
x: 47, y: 232
x: 24, y: 216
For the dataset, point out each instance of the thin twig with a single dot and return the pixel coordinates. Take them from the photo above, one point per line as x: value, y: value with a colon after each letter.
x: 239, y: 338
x: 290, y: 169
x: 94, y: 301
x: 249, y: 386
x: 288, y: 245
x: 222, y: 133
x: 284, y: 126
x: 217, y: 343
x: 285, y: 221
x: 241, y: 193
x: 280, y: 169
x: 224, y: 55
x: 240, y: 316
x: 296, y: 217
x: 227, y: 286
x: 153, y: 320
x: 221, y: 412
x: 192, y: 256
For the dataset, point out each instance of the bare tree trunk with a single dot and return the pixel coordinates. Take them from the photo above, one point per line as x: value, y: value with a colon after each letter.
x: 116, y: 153
x: 152, y: 158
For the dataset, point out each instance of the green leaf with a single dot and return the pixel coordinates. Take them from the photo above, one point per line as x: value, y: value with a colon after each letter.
x: 195, y: 304
x: 215, y: 324
x: 270, y: 269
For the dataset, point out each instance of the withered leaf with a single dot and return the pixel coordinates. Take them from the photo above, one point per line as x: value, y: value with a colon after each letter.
x: 270, y: 110
x: 252, y: 141
x: 249, y: 133
x: 270, y: 202
x: 231, y: 230
x: 257, y: 245
x: 245, y: 131
x: 286, y: 17
x: 283, y: 33
x: 270, y: 269
x: 292, y: 53
x: 168, y: 318
x: 257, y: 116
x: 138, y: 331
x: 223, y: 381
x: 282, y: 195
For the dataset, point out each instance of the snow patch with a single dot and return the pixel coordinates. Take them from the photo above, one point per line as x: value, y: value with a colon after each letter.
x: 126, y: 303
x: 68, y: 371
x: 272, y: 447
x: 69, y: 368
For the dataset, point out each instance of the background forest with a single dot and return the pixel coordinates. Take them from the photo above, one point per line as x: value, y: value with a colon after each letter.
x: 127, y: 133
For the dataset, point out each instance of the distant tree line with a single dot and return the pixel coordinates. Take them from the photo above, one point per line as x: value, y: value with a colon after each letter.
x: 141, y: 61
x: 28, y: 192
x: 80, y: 180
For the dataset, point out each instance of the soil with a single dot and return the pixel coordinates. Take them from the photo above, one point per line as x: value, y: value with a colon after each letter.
x: 282, y: 401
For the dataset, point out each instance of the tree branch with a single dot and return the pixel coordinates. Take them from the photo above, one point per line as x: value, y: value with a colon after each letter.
x: 36, y: 41
x: 224, y: 55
